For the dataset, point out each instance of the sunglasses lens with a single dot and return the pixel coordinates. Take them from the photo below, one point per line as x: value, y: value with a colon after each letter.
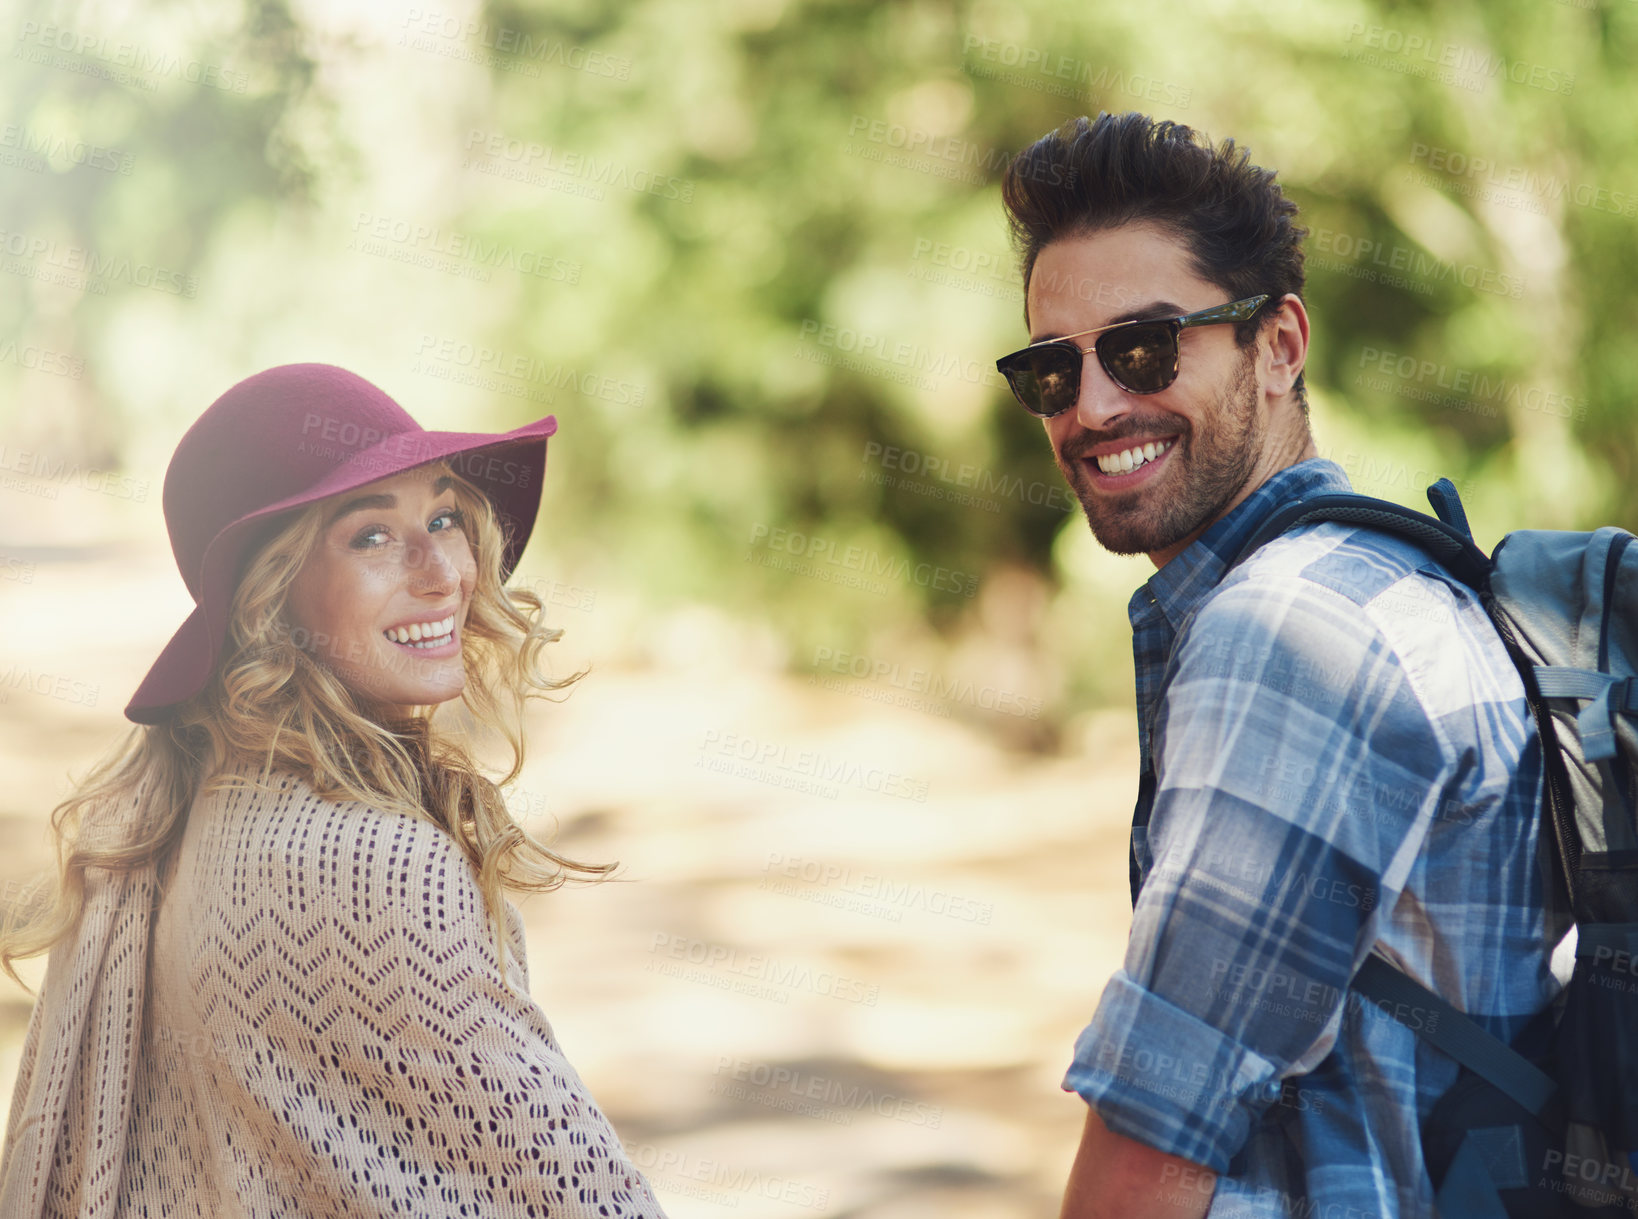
x: 1142, y: 359
x: 1045, y: 379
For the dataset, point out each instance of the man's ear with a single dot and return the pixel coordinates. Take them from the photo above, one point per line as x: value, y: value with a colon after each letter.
x: 1284, y: 346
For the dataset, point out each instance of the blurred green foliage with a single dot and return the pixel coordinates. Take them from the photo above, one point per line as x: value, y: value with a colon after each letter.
x: 751, y: 253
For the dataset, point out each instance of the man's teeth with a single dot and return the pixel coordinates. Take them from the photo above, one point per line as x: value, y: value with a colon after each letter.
x: 424, y: 634
x: 1128, y: 460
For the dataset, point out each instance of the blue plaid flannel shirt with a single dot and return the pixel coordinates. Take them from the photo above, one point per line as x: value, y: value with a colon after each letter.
x: 1336, y: 753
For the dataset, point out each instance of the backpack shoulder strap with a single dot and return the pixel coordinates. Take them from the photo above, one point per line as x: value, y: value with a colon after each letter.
x: 1449, y: 540
x: 1447, y: 1028
x: 1446, y: 538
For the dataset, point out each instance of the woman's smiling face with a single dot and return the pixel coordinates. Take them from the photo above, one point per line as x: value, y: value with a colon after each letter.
x: 391, y: 555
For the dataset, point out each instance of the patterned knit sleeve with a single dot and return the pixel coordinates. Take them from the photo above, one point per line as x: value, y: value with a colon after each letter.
x: 414, y: 1078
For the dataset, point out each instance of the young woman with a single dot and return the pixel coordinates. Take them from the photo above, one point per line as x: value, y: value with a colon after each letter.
x: 284, y: 978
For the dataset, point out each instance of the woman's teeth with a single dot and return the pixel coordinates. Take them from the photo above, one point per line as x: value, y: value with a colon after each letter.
x: 1128, y: 460
x: 424, y: 635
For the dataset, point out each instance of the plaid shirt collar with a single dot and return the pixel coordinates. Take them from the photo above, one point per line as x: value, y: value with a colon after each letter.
x: 1178, y: 587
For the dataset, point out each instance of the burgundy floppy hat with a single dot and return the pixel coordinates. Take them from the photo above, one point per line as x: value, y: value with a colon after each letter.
x: 280, y: 440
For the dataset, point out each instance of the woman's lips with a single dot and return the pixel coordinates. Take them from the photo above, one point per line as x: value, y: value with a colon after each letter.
x: 443, y: 649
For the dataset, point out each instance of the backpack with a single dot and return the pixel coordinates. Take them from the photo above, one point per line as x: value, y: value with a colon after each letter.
x: 1547, y: 1126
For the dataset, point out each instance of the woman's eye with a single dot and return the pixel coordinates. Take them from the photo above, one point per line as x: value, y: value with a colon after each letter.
x: 455, y: 516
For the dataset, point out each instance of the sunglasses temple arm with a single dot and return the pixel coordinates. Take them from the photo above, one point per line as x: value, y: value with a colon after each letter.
x: 1235, y: 311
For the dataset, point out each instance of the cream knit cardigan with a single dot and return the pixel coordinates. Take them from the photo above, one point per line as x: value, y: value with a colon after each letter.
x: 315, y: 1027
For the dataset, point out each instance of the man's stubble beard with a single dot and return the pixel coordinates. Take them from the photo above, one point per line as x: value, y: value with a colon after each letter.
x: 1213, y: 459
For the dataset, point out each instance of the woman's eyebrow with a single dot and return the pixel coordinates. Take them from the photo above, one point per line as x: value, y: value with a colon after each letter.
x: 381, y: 499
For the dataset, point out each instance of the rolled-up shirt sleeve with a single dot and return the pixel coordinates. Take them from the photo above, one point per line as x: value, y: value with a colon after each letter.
x: 1296, y: 774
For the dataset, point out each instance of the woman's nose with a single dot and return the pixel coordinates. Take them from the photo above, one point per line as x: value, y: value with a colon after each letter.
x: 430, y: 562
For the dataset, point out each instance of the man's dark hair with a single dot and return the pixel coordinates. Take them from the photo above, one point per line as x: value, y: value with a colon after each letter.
x: 1237, y: 225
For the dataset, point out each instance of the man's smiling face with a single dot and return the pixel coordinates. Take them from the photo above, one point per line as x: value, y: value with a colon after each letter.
x: 1194, y: 447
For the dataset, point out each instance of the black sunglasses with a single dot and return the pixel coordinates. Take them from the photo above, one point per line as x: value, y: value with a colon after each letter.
x: 1140, y: 357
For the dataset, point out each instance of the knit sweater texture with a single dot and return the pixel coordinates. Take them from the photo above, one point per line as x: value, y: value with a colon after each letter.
x: 302, y: 1016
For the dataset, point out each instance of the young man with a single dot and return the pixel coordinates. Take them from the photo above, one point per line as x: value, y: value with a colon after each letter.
x: 1336, y: 752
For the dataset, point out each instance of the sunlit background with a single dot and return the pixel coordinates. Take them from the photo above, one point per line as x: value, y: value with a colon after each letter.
x: 858, y: 717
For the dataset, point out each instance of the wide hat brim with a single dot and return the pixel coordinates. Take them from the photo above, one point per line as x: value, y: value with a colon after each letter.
x: 507, y: 466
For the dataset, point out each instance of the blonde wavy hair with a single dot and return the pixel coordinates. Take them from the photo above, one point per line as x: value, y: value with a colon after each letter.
x: 270, y: 700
